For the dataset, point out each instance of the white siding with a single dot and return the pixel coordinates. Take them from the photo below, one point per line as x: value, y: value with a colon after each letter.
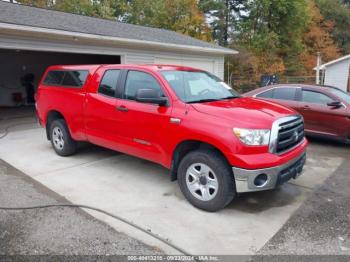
x: 210, y: 64
x: 205, y: 64
x: 337, y: 74
x: 221, y: 67
x: 213, y: 64
x: 138, y: 58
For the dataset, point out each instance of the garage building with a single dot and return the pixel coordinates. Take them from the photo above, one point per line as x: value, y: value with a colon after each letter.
x: 32, y: 38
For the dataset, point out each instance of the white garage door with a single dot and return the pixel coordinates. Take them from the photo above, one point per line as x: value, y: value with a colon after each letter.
x: 204, y: 64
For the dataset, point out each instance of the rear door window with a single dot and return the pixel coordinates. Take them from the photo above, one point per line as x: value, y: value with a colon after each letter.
x: 266, y: 94
x: 108, y: 85
x: 284, y: 93
x: 66, y: 78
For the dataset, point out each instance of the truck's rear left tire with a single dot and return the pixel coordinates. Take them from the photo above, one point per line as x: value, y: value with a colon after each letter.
x: 206, y: 180
x: 61, y: 140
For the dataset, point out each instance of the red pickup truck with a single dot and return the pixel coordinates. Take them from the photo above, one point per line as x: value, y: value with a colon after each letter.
x: 215, y: 143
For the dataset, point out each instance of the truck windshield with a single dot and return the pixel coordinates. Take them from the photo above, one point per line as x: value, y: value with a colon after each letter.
x: 198, y: 86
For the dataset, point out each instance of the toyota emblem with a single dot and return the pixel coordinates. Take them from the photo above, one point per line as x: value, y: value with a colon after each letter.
x: 295, y: 136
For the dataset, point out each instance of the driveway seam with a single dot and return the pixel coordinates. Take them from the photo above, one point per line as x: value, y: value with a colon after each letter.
x: 73, y: 166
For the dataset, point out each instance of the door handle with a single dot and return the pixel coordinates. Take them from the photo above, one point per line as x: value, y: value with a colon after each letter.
x: 175, y: 120
x: 122, y: 109
x: 306, y: 108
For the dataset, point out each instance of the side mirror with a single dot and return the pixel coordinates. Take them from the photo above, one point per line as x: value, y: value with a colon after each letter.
x: 150, y: 96
x: 335, y: 104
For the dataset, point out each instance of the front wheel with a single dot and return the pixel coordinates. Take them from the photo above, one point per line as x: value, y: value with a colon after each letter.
x: 206, y: 180
x: 61, y: 140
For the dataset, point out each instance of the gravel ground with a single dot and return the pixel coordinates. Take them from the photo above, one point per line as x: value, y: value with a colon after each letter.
x: 54, y: 231
x: 321, y: 226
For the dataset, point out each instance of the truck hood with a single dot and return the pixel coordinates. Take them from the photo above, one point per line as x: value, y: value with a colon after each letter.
x: 245, y: 112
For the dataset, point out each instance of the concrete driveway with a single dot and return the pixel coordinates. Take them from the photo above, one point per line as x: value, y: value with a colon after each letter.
x: 141, y: 192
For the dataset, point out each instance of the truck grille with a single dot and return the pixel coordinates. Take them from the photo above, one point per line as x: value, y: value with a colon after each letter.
x: 290, y: 134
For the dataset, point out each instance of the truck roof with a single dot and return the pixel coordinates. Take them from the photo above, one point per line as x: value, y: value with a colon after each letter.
x: 154, y: 67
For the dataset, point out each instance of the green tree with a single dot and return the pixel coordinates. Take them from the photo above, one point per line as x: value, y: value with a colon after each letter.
x: 121, y: 8
x: 338, y: 12
x: 182, y: 16
x: 96, y: 8
x: 38, y: 3
x: 273, y: 31
x: 317, y: 38
x: 223, y: 17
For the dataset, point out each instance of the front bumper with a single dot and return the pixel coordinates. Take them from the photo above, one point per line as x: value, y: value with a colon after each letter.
x: 269, y: 178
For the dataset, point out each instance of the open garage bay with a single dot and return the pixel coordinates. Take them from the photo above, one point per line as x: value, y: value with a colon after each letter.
x: 22, y: 70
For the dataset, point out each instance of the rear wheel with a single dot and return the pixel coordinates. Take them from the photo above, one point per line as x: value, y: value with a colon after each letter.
x: 61, y: 140
x: 206, y: 180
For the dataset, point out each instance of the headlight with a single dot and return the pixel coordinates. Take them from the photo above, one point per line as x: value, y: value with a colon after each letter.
x: 253, y: 137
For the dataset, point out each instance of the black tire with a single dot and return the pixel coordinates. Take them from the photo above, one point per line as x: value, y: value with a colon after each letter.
x: 69, y: 145
x: 226, y: 187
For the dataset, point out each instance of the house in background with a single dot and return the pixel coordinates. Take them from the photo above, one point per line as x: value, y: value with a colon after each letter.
x: 336, y: 73
x: 31, y: 39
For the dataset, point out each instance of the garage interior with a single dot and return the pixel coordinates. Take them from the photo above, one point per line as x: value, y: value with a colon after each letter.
x: 22, y: 70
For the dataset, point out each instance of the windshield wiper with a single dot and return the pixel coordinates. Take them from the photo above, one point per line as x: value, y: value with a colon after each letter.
x: 203, y: 100
x: 211, y: 99
x: 229, y: 97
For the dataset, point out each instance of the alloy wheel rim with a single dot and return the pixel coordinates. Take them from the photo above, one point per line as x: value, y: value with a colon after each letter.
x: 202, y: 182
x: 57, y: 138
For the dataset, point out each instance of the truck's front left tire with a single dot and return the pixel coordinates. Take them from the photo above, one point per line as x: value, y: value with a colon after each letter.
x: 206, y: 180
x: 61, y: 140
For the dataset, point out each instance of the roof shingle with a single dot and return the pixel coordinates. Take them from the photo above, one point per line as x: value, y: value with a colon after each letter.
x: 44, y: 18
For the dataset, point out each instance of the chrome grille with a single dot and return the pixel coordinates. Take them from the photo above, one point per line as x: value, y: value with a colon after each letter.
x: 286, y: 134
